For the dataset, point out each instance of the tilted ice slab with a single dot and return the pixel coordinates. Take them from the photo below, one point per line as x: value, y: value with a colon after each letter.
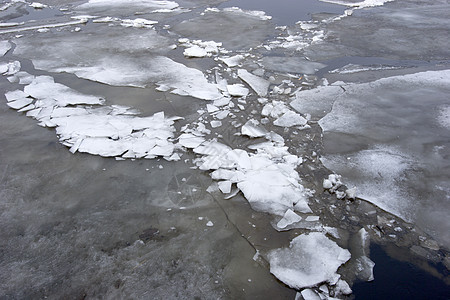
x: 84, y: 125
x: 311, y: 259
x: 267, y: 178
x: 258, y: 84
x: 360, y: 4
x: 123, y: 57
x: 386, y: 138
x: 4, y: 47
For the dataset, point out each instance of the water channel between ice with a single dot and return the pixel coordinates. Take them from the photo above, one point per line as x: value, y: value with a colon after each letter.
x: 222, y: 149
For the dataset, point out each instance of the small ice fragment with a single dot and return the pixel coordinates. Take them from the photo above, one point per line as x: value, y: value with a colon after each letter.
x: 37, y: 5
x: 138, y: 23
x: 200, y: 218
x: 20, y: 103
x: 309, y: 294
x: 237, y: 90
x: 195, y: 51
x: 4, y: 47
x: 252, y: 129
x: 351, y: 193
x: 15, y: 95
x: 342, y: 288
x: 225, y: 186
x: 190, y: 141
x: 312, y: 218
x: 223, y: 114
x: 289, y: 218
x: 215, y: 124
x: 210, y: 224
x: 289, y: 119
x: 211, y: 108
x: 232, y: 61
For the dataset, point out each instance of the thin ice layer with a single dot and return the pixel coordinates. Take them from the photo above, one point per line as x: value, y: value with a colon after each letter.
x: 310, y: 259
x: 383, y: 138
x: 123, y: 57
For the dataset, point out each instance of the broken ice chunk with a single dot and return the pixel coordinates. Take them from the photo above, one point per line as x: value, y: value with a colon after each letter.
x: 225, y: 186
x: 309, y: 294
x: 237, y: 90
x: 190, y: 141
x: 103, y: 146
x: 232, y: 61
x: 13, y: 68
x: 195, y: 51
x: 342, y: 288
x: 4, y: 47
x: 210, y: 224
x: 44, y: 87
x: 37, y: 5
x: 15, y: 95
x: 289, y: 218
x: 211, y: 108
x: 252, y: 129
x: 258, y: 84
x: 310, y: 259
x: 351, y: 193
x: 289, y: 119
x: 19, y: 103
x: 138, y: 23
x: 215, y: 124
x: 312, y: 218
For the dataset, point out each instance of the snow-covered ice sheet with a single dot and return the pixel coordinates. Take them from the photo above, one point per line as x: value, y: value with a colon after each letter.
x: 310, y: 259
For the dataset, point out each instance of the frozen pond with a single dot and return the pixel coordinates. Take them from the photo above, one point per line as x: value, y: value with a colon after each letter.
x: 223, y: 149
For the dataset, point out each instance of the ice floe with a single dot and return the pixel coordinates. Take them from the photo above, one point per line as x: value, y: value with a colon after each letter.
x: 311, y: 259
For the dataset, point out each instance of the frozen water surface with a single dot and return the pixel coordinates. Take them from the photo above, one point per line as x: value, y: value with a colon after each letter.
x: 325, y: 128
